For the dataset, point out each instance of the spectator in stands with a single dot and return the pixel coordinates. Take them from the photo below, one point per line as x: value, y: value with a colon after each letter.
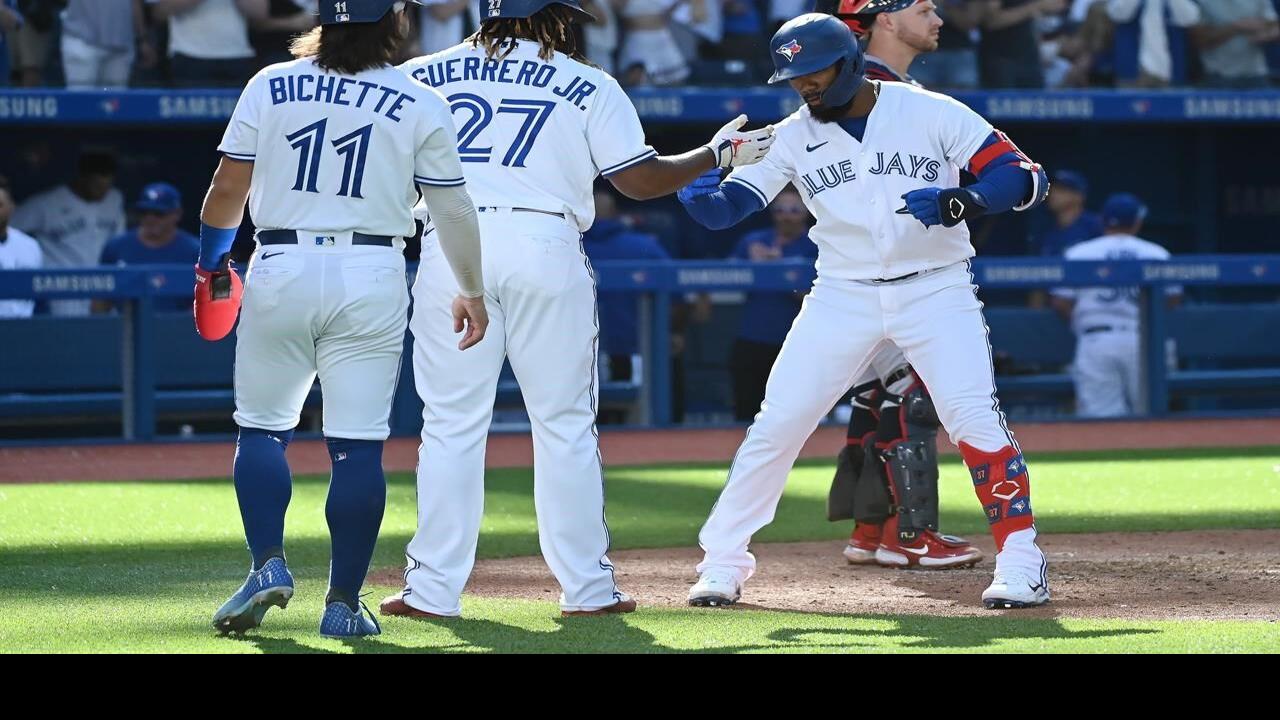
x: 954, y: 65
x: 72, y: 222
x: 10, y: 22
x: 208, y: 41
x: 1082, y: 34
x: 29, y: 43
x: 767, y: 316
x: 157, y: 240
x: 1009, y: 48
x: 781, y: 11
x: 273, y: 25
x: 18, y: 251
x: 600, y: 38
x: 1072, y: 223
x: 1150, y: 41
x: 440, y: 23
x: 650, y: 54
x: 698, y: 27
x: 100, y: 41
x: 612, y: 238
x: 1108, y: 366
x: 1231, y: 39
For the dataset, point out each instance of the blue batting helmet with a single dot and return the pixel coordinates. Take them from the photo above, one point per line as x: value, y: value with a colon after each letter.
x: 351, y: 12
x: 814, y: 42
x: 497, y: 9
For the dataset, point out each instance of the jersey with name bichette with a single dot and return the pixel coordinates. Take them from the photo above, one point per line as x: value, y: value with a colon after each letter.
x: 534, y: 133
x: 340, y: 153
x: 914, y: 139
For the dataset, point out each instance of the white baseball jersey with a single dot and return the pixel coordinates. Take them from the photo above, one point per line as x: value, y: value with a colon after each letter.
x: 914, y: 139
x: 71, y: 230
x: 1115, y: 307
x: 340, y: 153
x: 18, y: 251
x: 532, y: 133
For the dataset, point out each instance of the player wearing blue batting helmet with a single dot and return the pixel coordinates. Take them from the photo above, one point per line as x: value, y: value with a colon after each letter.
x: 352, y: 12
x: 812, y: 43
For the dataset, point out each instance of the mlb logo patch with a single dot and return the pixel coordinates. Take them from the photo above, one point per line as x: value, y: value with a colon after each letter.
x: 343, y: 18
x: 1016, y: 466
x: 993, y: 513
x: 790, y: 50
x: 339, y: 457
x: 981, y: 474
x: 1019, y: 507
x: 326, y: 241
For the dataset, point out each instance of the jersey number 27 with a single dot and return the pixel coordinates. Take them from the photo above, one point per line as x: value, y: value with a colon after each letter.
x: 353, y: 148
x: 481, y: 113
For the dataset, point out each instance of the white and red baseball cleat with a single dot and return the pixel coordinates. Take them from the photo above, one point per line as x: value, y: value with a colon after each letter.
x: 931, y: 551
x: 863, y: 543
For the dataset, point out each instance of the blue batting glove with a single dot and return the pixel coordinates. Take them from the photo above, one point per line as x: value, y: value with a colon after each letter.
x: 950, y: 207
x: 706, y: 184
x: 923, y: 205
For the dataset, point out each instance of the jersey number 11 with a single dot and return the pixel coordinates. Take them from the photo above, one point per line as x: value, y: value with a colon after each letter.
x: 352, y: 147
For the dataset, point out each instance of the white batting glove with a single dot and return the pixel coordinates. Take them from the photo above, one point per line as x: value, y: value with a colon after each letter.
x: 732, y: 148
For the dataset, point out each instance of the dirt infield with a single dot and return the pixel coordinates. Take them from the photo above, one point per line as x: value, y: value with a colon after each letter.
x: 176, y: 461
x: 1212, y: 575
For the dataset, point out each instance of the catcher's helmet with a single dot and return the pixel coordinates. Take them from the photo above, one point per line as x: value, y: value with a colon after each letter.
x: 860, y: 14
x: 352, y: 12
x: 495, y: 9
x: 815, y: 42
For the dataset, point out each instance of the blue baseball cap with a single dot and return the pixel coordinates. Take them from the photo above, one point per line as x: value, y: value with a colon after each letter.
x: 1071, y: 180
x: 352, y: 12
x: 1122, y: 210
x: 159, y: 197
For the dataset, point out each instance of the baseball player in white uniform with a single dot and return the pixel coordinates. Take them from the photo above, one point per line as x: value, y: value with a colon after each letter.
x: 332, y: 150
x: 536, y: 126
x: 1107, y: 320
x: 878, y: 164
x: 18, y: 251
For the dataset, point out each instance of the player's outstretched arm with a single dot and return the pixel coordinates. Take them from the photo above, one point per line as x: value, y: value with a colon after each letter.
x: 729, y: 148
x: 454, y: 218
x: 717, y: 205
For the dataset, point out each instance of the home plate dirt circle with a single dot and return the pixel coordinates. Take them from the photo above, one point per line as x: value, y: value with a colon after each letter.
x: 1209, y: 575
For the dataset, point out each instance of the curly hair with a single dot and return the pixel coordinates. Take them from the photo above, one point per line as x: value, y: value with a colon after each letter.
x: 551, y: 27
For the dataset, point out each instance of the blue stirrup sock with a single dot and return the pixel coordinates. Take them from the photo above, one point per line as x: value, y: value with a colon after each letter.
x: 357, y: 498
x: 263, y: 488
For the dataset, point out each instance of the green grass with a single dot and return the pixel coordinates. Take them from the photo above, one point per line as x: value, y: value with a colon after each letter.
x: 140, y: 566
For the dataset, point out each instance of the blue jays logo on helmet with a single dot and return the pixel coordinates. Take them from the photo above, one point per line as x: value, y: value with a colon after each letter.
x: 498, y: 9
x: 826, y: 42
x: 790, y: 50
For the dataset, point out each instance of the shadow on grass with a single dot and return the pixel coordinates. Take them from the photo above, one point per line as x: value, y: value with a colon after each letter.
x: 618, y: 634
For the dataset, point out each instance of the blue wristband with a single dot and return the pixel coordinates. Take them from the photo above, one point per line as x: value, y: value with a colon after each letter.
x: 214, y: 243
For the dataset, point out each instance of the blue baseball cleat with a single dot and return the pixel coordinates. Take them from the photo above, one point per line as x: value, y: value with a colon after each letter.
x: 340, y: 621
x: 269, y: 585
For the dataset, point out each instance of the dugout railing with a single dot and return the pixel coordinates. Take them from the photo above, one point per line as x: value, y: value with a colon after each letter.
x: 143, y: 363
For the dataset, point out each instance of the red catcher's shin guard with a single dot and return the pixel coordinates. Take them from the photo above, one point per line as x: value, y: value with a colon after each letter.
x: 1003, y: 486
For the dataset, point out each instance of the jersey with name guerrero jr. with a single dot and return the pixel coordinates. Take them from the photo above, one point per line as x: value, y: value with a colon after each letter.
x: 338, y: 153
x: 534, y: 133
x: 914, y: 139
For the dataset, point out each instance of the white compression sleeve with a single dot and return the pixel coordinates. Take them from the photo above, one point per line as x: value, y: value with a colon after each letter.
x: 454, y: 218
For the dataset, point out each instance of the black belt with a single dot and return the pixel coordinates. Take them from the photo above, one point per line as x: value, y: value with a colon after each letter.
x: 488, y: 208
x: 896, y: 279
x: 290, y: 237
x: 1098, y: 329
